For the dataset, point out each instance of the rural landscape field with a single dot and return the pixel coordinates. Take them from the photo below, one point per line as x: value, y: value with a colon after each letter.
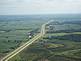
x: 61, y: 41
x: 14, y: 31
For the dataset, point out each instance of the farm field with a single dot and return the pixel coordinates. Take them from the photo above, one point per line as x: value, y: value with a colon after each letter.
x: 62, y: 42
x: 14, y: 31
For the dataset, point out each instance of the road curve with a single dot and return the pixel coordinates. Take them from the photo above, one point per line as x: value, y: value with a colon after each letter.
x: 19, y: 49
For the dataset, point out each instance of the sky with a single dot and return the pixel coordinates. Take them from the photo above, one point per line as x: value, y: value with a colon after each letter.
x: 22, y: 7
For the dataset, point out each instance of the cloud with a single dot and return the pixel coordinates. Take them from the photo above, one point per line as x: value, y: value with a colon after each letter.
x: 39, y: 6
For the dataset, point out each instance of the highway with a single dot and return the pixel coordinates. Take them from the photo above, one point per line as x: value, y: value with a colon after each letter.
x: 19, y: 49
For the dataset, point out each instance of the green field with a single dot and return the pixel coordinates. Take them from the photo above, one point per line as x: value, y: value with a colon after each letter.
x: 63, y: 44
x: 14, y: 33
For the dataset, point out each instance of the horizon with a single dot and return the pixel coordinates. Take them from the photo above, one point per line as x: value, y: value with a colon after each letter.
x: 42, y: 14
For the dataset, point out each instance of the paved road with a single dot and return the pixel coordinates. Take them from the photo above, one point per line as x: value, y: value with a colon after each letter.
x: 19, y: 49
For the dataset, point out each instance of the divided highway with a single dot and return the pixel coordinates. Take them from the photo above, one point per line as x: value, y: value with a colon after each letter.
x: 19, y: 49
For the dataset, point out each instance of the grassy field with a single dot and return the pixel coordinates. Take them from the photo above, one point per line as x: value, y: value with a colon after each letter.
x: 14, y: 32
x: 56, y: 45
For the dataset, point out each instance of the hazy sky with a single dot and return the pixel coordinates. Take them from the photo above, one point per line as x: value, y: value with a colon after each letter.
x: 39, y: 6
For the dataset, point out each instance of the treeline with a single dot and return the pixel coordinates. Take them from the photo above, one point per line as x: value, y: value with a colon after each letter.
x: 71, y: 37
x: 72, y: 22
x: 65, y: 31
